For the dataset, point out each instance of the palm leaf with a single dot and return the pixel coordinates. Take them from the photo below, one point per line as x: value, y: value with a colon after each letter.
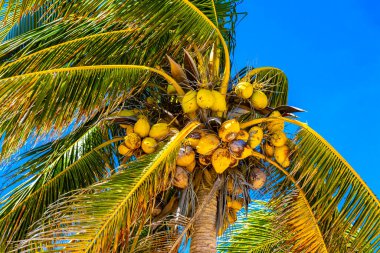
x: 91, y: 219
x: 255, y: 232
x: 323, y: 197
x: 54, y: 98
x: 75, y: 161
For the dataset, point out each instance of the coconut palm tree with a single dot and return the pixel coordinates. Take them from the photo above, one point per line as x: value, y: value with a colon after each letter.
x: 122, y: 130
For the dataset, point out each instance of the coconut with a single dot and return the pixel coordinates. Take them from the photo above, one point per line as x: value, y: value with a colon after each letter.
x: 193, y: 138
x: 234, y: 162
x: 242, y: 135
x: 149, y: 145
x: 286, y: 162
x: 221, y: 160
x: 229, y: 130
x: 123, y: 150
x: 244, y: 90
x: 170, y: 90
x: 259, y: 100
x: 278, y: 139
x: 190, y: 168
x: 268, y: 149
x: 231, y: 218
x: 233, y: 188
x: 205, y: 99
x: 128, y: 128
x: 256, y: 135
x: 236, y: 204
x: 258, y: 178
x: 159, y: 131
x: 276, y: 125
x: 142, y: 127
x: 186, y: 156
x: 189, y: 102
x: 132, y: 141
x: 281, y: 153
x: 207, y: 144
x: 156, y: 211
x: 181, y: 179
x: 205, y: 159
x: 219, y: 104
x: 239, y: 149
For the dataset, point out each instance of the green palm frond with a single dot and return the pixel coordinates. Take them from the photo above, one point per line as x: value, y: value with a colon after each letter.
x: 55, y: 98
x: 254, y: 232
x: 75, y: 161
x: 93, y: 219
x: 322, y: 198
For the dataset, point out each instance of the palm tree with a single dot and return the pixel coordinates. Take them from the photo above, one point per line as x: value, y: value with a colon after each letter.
x: 82, y: 84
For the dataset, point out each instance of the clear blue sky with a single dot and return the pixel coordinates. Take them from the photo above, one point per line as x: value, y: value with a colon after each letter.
x: 330, y: 51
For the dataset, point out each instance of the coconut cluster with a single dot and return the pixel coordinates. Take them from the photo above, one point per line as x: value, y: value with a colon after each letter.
x: 252, y: 92
x: 143, y: 137
x: 203, y: 99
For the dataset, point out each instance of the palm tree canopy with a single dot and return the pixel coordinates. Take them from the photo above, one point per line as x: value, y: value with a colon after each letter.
x: 73, y: 73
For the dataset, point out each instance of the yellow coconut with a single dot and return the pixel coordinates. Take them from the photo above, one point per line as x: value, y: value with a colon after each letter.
x: 149, y: 145
x: 281, y: 153
x: 242, y: 135
x: 190, y: 168
x: 244, y: 90
x: 189, y: 102
x: 194, y: 138
x: 221, y: 160
x: 142, y: 127
x: 286, y: 162
x: 181, y: 179
x: 231, y: 217
x: 170, y: 90
x: 123, y: 150
x: 156, y: 211
x: 268, y: 149
x: 128, y: 128
x: 259, y: 100
x: 205, y: 159
x: 276, y: 125
x: 205, y: 99
x: 258, y: 178
x: 132, y: 141
x: 207, y: 144
x: 186, y: 156
x: 234, y: 162
x: 236, y: 204
x: 233, y: 188
x: 239, y: 149
x: 278, y: 139
x: 159, y: 131
x: 256, y: 135
x: 219, y: 104
x: 229, y: 130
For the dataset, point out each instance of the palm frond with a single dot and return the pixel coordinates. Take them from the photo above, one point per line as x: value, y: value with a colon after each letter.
x: 75, y: 161
x: 338, y: 200
x: 38, y: 101
x: 94, y: 218
x: 254, y: 232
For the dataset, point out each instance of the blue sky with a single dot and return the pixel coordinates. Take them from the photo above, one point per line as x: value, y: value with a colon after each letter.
x: 330, y: 51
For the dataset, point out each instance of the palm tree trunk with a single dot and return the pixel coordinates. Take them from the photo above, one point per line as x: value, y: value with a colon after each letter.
x: 204, y: 236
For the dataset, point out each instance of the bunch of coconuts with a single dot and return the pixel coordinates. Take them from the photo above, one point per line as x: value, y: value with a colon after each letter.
x: 143, y: 137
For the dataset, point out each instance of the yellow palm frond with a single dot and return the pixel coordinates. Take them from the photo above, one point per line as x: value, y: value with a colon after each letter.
x: 89, y: 220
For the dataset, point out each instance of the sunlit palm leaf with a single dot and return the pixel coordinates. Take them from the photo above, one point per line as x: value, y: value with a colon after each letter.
x: 330, y: 183
x: 75, y: 161
x: 255, y: 233
x: 92, y: 220
x: 41, y: 100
